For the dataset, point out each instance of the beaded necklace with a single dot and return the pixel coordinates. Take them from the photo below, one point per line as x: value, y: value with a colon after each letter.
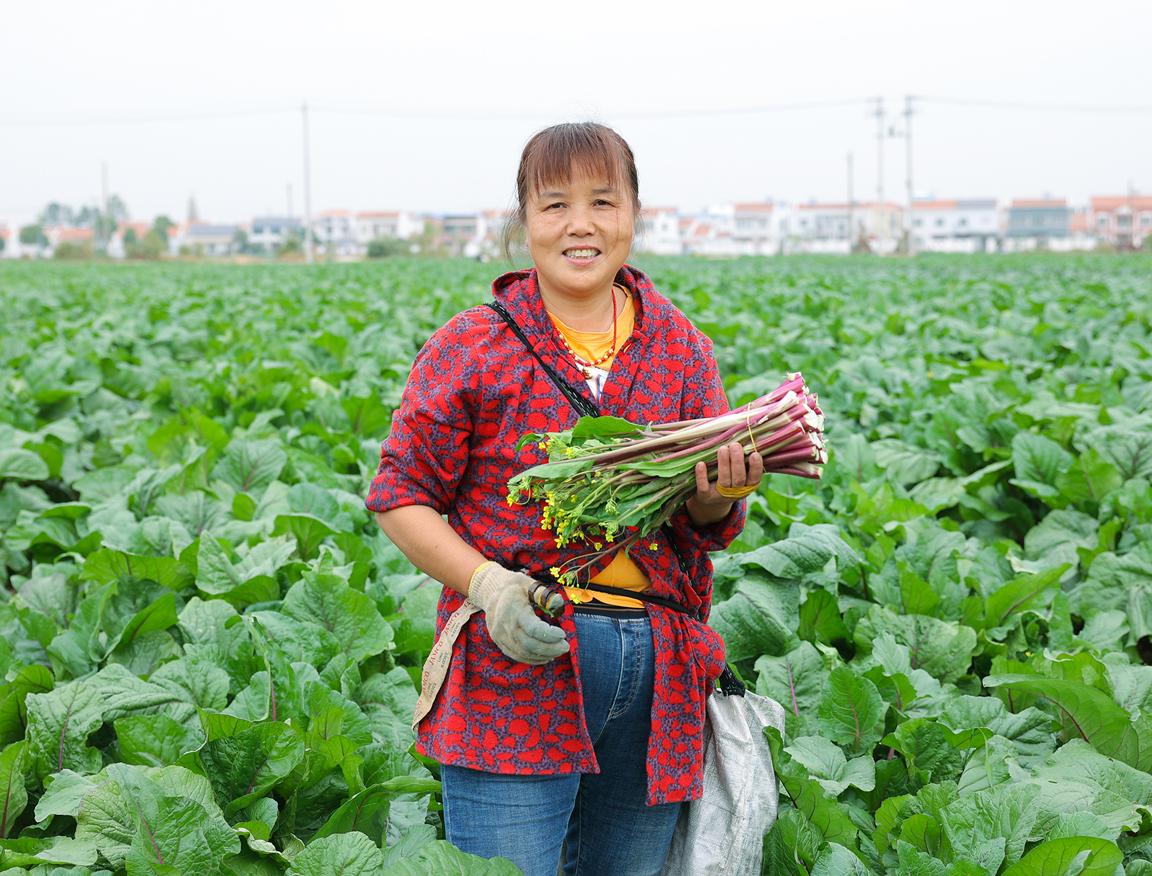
x: 585, y: 365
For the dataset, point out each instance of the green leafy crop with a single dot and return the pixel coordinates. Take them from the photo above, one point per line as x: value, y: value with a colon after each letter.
x: 208, y: 650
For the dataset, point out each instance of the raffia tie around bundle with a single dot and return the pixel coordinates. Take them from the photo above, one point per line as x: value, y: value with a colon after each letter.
x: 741, y: 492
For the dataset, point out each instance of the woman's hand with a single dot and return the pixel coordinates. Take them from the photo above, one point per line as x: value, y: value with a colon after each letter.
x: 709, y: 505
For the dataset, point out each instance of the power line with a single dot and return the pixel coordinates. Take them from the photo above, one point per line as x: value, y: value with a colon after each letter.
x: 504, y: 115
x: 391, y: 112
x: 162, y: 118
x: 1037, y: 107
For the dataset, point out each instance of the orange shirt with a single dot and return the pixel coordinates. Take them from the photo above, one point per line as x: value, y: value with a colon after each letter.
x: 622, y: 571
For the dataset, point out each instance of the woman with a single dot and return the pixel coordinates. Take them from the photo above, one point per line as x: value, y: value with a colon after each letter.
x: 581, y: 734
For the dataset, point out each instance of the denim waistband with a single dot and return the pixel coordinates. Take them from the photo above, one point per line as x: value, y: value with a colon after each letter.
x: 629, y: 615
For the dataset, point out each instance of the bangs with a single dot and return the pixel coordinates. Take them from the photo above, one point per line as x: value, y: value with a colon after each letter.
x: 554, y: 155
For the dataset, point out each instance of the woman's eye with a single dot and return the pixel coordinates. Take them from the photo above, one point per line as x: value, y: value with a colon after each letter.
x: 600, y: 202
x: 555, y: 206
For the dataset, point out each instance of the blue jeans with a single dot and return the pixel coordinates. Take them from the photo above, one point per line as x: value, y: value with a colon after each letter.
x: 600, y: 820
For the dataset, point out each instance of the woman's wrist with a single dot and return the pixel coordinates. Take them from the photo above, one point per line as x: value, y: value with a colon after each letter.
x: 707, y: 514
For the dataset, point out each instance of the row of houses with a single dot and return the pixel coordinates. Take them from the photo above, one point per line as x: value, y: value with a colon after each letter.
x: 960, y: 225
x: 757, y: 228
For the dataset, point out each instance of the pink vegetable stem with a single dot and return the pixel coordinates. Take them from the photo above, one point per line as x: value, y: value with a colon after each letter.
x: 799, y: 454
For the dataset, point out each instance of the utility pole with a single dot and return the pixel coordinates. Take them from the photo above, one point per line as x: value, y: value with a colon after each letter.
x: 307, y: 188
x: 879, y: 114
x: 105, y: 233
x: 851, y: 209
x: 289, y: 188
x: 908, y: 112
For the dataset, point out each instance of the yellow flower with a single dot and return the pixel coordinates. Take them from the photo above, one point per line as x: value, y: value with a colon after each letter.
x: 555, y: 571
x: 652, y: 546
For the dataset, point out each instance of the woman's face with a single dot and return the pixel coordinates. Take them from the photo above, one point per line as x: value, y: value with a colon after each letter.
x: 579, y: 235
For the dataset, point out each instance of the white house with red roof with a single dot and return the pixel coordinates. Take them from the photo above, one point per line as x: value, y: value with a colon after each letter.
x: 1122, y: 221
x: 335, y: 233
x: 759, y: 228
x: 735, y: 229
x: 955, y: 225
x: 58, y: 234
x: 709, y: 234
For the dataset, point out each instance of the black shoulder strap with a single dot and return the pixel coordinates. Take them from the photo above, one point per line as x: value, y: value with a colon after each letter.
x: 583, y: 407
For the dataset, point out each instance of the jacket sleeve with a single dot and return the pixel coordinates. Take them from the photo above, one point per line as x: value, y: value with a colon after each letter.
x: 426, y: 452
x: 704, y: 396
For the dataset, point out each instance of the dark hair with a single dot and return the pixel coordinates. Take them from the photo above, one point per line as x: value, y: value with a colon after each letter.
x: 551, y: 154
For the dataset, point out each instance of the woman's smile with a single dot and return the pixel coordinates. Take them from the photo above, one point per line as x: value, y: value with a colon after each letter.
x: 581, y: 255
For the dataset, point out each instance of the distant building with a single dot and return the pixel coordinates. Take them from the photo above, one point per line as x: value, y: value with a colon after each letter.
x: 758, y: 228
x: 373, y: 225
x: 335, y: 234
x: 961, y: 225
x: 1039, y: 223
x: 825, y: 228
x: 1122, y: 221
x: 1080, y: 231
x: 377, y: 224
x: 495, y: 222
x: 660, y: 231
x: 709, y: 234
x: 461, y: 233
x: 9, y: 243
x: 205, y: 238
x: 58, y: 234
x: 474, y: 235
x: 269, y: 233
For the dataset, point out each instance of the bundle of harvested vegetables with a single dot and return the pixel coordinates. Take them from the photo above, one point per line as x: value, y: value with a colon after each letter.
x: 606, y: 476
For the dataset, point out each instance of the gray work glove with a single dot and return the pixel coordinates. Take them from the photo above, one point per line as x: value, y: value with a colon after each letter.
x: 506, y: 599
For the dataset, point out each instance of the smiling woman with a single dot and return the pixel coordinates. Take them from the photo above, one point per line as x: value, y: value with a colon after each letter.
x: 574, y: 734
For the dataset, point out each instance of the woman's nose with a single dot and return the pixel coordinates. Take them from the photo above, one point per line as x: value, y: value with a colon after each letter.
x: 579, y: 220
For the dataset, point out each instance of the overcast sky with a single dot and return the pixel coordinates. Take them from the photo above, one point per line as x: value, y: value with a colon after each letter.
x: 142, y: 86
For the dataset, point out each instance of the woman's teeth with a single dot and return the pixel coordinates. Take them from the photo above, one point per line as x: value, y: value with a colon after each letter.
x: 581, y: 253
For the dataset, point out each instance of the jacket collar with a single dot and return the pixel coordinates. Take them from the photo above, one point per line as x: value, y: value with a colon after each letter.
x: 520, y: 293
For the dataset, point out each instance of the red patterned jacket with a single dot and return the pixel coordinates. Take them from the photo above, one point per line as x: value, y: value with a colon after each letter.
x: 473, y: 391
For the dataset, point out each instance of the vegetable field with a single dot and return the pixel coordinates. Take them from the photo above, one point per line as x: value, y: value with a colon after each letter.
x: 207, y: 651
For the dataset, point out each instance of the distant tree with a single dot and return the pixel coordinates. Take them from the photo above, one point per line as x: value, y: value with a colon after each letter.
x: 33, y: 235
x: 240, y: 242
x: 117, y: 209
x: 150, y: 247
x: 69, y: 251
x: 161, y: 224
x: 291, y: 246
x: 428, y: 243
x: 1147, y: 244
x: 3, y: 241
x: 386, y: 247
x: 129, y: 237
x: 56, y: 214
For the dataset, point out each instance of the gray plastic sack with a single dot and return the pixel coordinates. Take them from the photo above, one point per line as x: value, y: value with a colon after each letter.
x: 723, y: 831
